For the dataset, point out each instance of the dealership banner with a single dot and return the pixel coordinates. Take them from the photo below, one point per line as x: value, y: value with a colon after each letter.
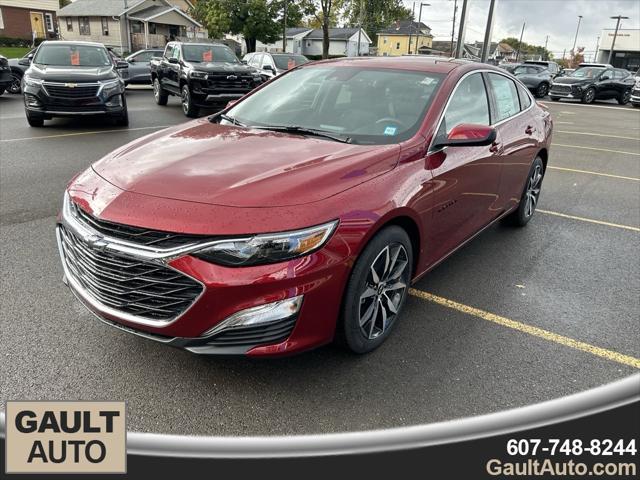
x: 602, y: 444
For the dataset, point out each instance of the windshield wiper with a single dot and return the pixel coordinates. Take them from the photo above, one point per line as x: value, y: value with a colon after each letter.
x: 304, y: 131
x: 226, y: 117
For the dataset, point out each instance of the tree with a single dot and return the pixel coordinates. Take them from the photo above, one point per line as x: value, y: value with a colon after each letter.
x: 324, y: 12
x: 576, y: 58
x: 376, y: 14
x: 254, y: 19
x: 527, y: 49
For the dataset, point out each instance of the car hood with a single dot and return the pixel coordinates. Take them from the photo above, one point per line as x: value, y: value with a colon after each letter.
x: 572, y: 80
x: 233, y: 166
x: 71, y: 74
x: 223, y: 67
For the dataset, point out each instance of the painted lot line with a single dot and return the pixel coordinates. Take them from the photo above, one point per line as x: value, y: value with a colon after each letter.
x: 590, y: 134
x: 75, y: 134
x: 529, y: 329
x: 596, y: 149
x: 589, y: 220
x: 580, y: 105
x: 589, y: 172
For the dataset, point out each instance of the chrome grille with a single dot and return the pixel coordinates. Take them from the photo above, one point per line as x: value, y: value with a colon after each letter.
x: 65, y: 90
x: 561, y: 88
x: 219, y: 83
x: 141, y: 236
x: 127, y: 284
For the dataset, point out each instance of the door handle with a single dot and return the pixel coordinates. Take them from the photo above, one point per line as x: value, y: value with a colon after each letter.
x: 495, y: 147
x: 529, y: 130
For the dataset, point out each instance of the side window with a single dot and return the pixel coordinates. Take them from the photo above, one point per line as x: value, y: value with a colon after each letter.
x: 469, y: 104
x: 168, y: 50
x: 506, y: 96
x: 176, y: 52
x: 266, y: 60
x: 256, y: 60
x: 525, y: 99
x: 607, y: 74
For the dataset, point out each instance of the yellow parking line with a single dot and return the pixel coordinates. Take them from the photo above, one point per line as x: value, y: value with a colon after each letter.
x: 84, y: 133
x: 589, y: 220
x: 594, y: 173
x: 530, y: 330
x: 595, y: 134
x: 596, y: 149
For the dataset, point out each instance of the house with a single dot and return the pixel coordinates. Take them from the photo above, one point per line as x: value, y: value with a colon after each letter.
x: 343, y: 42
x: 404, y: 37
x: 143, y: 24
x: 499, y: 52
x: 28, y: 19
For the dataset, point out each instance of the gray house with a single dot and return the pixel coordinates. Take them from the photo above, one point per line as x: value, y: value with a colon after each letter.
x: 143, y: 24
x: 308, y: 41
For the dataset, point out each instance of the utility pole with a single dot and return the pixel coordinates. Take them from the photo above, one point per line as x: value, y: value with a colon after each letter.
x: 126, y: 27
x: 546, y: 42
x: 462, y: 29
x: 413, y: 15
x: 453, y: 27
x: 520, y: 42
x: 284, y: 27
x: 613, y: 42
x: 486, y: 46
x: 420, y: 20
x: 575, y: 40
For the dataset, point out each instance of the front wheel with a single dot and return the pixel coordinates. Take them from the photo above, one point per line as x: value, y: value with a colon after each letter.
x: 542, y: 90
x: 589, y: 96
x: 625, y: 97
x: 377, y: 290
x: 123, y: 119
x: 34, y: 120
x: 15, y: 87
x: 160, y: 96
x: 188, y: 108
x: 530, y: 196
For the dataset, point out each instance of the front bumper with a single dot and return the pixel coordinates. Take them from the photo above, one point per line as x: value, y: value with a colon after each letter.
x: 319, y: 278
x: 635, y: 96
x: 39, y: 101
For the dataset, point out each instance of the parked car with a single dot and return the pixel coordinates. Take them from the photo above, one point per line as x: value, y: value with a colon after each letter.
x: 566, y: 71
x: 139, y: 71
x: 537, y: 78
x: 274, y: 227
x: 71, y: 79
x: 588, y: 64
x: 273, y: 64
x: 553, y: 67
x: 203, y: 75
x: 18, y: 67
x: 509, y: 67
x: 593, y: 83
x: 635, y: 91
x: 5, y: 75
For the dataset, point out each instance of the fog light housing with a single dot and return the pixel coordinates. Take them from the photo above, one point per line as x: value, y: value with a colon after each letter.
x: 32, y: 101
x: 114, y: 101
x: 268, y: 313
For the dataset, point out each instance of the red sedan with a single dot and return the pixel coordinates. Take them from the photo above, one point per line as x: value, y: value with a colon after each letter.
x: 303, y: 213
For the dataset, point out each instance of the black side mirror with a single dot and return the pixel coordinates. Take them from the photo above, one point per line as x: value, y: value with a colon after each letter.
x: 469, y: 135
x: 121, y: 64
x: 25, y: 61
x: 243, y: 61
x: 173, y: 60
x: 604, y: 77
x: 131, y: 60
x: 268, y: 67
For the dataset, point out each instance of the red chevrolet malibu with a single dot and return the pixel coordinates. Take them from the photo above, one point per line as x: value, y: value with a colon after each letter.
x: 303, y: 213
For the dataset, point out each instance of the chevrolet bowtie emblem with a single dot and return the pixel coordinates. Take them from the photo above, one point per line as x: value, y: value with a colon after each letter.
x: 71, y: 85
x: 96, y: 242
x: 232, y: 77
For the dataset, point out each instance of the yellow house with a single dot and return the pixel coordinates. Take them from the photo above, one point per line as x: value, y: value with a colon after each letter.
x: 404, y: 37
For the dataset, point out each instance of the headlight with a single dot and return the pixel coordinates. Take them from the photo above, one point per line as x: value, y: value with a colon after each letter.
x: 32, y: 82
x: 268, y: 248
x: 111, y: 87
x: 198, y: 74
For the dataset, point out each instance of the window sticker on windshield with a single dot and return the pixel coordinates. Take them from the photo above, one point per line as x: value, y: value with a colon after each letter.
x: 390, y: 130
x: 75, y: 57
x: 427, y: 80
x: 291, y: 63
x: 207, y: 56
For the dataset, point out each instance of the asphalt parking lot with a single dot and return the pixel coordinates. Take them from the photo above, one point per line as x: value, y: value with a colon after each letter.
x: 516, y: 317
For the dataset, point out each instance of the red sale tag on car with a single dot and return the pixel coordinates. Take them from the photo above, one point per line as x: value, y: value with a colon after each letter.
x: 207, y: 56
x: 75, y: 58
x: 291, y: 63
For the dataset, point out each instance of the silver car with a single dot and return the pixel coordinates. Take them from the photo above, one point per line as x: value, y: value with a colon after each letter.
x: 273, y: 64
x: 139, y: 71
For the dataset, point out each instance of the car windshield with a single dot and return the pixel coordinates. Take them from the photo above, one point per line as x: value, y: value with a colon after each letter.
x: 73, y: 56
x: 287, y: 62
x: 208, y: 53
x: 587, y: 72
x: 527, y: 69
x: 338, y: 100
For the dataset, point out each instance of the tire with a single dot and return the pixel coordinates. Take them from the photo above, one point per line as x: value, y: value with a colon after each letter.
x: 364, y: 297
x: 530, y: 196
x: 123, y: 119
x: 555, y: 99
x: 636, y: 105
x: 1, y: 90
x: 624, y: 98
x: 589, y: 95
x: 188, y: 108
x: 161, y: 97
x: 35, y: 121
x: 15, y: 88
x: 542, y: 90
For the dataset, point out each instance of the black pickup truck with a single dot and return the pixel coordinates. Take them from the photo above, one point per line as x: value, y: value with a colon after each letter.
x: 203, y: 75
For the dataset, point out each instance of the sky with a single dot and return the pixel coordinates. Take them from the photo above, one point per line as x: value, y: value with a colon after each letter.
x: 556, y: 18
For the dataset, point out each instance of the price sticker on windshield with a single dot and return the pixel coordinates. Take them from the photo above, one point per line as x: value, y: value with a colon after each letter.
x: 75, y: 57
x: 207, y: 56
x: 291, y: 63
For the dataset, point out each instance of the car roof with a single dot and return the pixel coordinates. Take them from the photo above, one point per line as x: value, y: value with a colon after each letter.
x: 413, y: 62
x: 72, y: 42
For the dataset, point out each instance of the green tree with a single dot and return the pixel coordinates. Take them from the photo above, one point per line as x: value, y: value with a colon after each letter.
x: 376, y: 15
x: 527, y: 49
x: 254, y: 19
x: 325, y: 13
